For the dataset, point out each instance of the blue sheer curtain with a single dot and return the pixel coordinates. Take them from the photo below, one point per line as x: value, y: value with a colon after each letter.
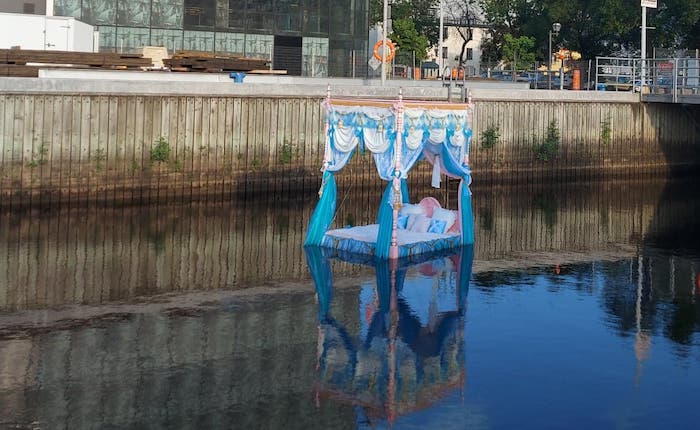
x: 325, y: 210
x: 385, y: 219
x: 320, y: 269
x: 465, y: 208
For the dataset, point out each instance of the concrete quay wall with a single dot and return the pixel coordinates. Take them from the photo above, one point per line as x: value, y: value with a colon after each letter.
x: 138, y: 140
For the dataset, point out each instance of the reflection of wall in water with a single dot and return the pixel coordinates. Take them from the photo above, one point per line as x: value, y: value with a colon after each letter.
x: 251, y: 364
x: 104, y: 254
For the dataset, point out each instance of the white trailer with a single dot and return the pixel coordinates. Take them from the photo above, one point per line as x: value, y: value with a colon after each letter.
x: 51, y: 33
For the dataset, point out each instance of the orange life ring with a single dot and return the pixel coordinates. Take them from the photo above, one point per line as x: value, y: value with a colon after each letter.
x: 378, y: 48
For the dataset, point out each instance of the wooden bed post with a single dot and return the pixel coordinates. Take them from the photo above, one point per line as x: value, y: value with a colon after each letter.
x: 327, y: 140
x: 394, y: 249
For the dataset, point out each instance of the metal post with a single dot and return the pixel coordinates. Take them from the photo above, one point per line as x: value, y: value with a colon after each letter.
x: 353, y: 63
x: 549, y: 63
x: 642, y: 73
x: 554, y: 30
x: 384, y: 36
x: 440, y: 36
x: 561, y: 74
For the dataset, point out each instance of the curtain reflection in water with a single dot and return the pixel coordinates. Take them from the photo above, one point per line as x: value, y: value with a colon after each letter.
x: 410, y: 347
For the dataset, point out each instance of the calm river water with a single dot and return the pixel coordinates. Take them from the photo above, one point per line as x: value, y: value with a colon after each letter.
x: 578, y: 307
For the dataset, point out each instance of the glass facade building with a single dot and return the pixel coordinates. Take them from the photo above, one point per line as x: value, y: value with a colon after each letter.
x: 306, y: 37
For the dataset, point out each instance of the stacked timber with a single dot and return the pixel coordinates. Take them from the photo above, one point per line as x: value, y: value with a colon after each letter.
x: 196, y: 61
x: 24, y: 62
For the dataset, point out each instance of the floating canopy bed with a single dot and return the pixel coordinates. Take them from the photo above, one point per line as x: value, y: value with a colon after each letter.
x: 399, y: 134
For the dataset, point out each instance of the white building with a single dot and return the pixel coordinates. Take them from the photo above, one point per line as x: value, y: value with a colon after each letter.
x: 51, y: 33
x: 452, y: 49
x: 29, y: 24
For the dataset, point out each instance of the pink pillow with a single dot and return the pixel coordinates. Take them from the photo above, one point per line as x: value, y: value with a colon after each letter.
x: 429, y: 204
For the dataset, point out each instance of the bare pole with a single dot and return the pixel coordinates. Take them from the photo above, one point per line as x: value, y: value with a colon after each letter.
x: 549, y: 63
x: 384, y: 36
x: 644, y: 50
x: 440, y: 36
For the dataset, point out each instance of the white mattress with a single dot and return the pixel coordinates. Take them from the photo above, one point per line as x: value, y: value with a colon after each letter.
x: 369, y: 233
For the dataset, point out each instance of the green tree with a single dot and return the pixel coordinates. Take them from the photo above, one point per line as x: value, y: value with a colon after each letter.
x: 592, y: 27
x: 421, y: 12
x: 518, y: 51
x: 677, y: 24
x: 408, y: 42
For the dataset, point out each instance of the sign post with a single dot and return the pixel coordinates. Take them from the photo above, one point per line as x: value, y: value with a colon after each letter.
x: 642, y: 73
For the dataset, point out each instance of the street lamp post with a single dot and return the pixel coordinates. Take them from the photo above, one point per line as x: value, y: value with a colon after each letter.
x: 555, y: 30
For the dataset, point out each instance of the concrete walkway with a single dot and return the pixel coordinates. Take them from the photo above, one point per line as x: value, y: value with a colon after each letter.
x: 114, y: 82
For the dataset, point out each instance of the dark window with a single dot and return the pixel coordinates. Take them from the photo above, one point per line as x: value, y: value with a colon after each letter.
x: 200, y: 13
x: 28, y: 8
x: 287, y: 54
x: 287, y: 16
x: 470, y: 54
x: 314, y: 17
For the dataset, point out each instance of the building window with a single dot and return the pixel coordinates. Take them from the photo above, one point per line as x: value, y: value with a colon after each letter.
x: 28, y: 8
x: 199, y: 13
x: 444, y: 52
x: 470, y: 54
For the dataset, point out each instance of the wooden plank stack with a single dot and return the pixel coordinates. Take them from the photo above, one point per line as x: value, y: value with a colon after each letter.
x: 24, y: 62
x: 196, y: 61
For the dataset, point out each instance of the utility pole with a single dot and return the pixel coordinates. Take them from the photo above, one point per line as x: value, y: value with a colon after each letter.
x: 441, y: 61
x: 384, y: 37
x: 642, y: 73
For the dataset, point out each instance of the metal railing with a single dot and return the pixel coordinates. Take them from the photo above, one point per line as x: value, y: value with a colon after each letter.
x: 673, y: 78
x: 676, y: 77
x: 616, y: 73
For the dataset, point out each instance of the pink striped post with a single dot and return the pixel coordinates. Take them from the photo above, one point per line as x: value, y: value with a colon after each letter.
x: 394, y: 248
x: 327, y: 146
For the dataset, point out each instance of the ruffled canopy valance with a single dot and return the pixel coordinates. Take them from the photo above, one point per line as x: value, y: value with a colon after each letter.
x: 426, y: 133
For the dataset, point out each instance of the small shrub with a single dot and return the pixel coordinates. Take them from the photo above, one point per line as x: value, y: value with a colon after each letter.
x: 161, y: 152
x: 549, y: 149
x: 490, y: 136
x: 99, y: 156
x: 40, y: 158
x: 605, y: 132
x: 286, y: 153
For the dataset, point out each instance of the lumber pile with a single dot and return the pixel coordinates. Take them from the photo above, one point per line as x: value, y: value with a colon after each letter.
x: 25, y: 62
x: 196, y: 61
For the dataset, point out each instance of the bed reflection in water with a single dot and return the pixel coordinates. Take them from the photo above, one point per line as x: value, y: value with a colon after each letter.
x: 405, y: 349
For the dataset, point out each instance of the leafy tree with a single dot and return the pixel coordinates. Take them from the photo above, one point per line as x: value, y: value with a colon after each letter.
x: 421, y: 12
x: 518, y: 52
x: 677, y: 24
x: 592, y: 27
x: 406, y: 37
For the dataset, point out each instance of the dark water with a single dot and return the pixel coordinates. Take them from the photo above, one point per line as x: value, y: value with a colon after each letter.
x: 578, y: 307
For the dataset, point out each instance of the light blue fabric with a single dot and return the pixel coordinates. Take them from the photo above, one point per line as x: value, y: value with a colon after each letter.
x: 467, y: 215
x: 464, y: 275
x: 401, y: 222
x: 320, y: 269
x: 354, y: 246
x: 385, y: 164
x: 324, y: 212
x: 385, y: 219
x: 436, y: 226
